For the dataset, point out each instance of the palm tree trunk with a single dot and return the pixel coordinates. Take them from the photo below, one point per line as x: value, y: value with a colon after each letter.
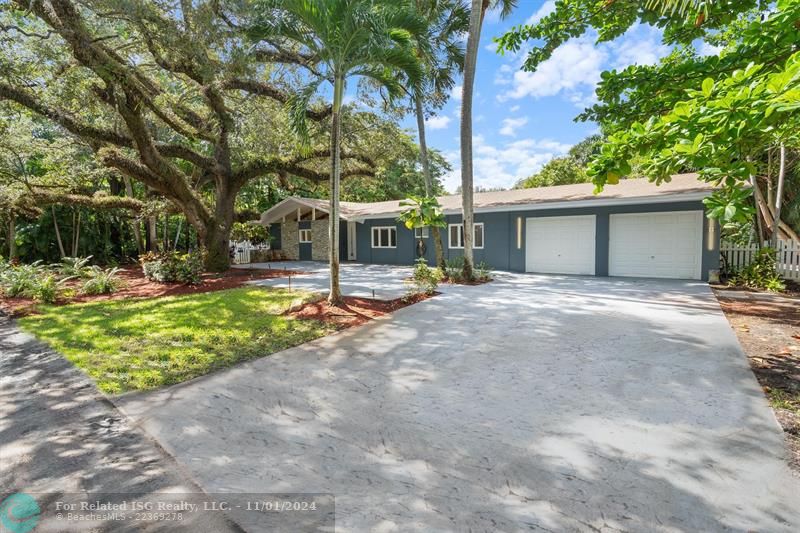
x: 470, y: 64
x: 58, y: 233
x: 426, y: 173
x: 776, y: 224
x: 335, y: 295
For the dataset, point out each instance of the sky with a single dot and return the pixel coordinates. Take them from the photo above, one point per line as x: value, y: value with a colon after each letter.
x: 522, y: 120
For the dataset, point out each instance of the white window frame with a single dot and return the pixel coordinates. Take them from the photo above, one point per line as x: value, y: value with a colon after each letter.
x: 461, y: 236
x: 376, y: 230
x: 300, y: 238
x: 421, y: 233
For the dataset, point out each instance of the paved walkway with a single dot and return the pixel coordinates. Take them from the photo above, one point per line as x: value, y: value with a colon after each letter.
x: 542, y: 403
x: 384, y: 282
x: 59, y: 436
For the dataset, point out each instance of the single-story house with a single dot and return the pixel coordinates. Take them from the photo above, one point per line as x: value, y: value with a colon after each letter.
x: 634, y: 229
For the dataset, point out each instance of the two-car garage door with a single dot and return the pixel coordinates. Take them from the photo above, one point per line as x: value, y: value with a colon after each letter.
x: 653, y: 245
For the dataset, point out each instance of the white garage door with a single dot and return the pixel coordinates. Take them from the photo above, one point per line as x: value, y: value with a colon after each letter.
x: 656, y: 245
x: 560, y: 245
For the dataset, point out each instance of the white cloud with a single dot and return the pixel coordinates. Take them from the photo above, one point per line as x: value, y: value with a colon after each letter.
x: 491, y: 47
x: 706, y: 49
x: 545, y: 9
x: 455, y: 93
x: 439, y: 122
x: 514, y: 108
x: 503, y: 165
x: 511, y: 125
x: 640, y: 45
x: 574, y: 68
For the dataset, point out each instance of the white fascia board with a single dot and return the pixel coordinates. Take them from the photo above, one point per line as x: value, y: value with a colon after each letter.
x: 567, y: 204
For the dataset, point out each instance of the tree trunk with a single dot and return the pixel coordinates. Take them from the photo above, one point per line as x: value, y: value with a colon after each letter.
x: 137, y: 231
x: 470, y: 64
x: 12, y: 237
x: 759, y: 200
x: 776, y: 222
x: 178, y: 233
x: 58, y: 233
x: 215, y: 235
x: 152, y: 232
x: 335, y: 294
x: 76, y: 234
x: 426, y: 173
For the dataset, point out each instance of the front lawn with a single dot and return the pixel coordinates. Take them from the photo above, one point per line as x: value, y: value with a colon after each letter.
x: 127, y: 345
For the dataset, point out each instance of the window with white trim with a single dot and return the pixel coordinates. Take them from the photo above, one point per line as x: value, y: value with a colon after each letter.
x: 384, y: 237
x: 305, y: 235
x: 421, y: 233
x: 456, y: 235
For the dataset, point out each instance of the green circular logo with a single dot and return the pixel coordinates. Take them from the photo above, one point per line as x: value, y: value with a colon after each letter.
x: 19, y: 513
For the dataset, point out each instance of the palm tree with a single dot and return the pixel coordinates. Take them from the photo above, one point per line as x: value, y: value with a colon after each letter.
x: 478, y: 10
x: 347, y: 38
x: 442, y: 55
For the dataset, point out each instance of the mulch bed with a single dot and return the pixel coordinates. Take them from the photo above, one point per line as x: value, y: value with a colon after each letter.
x: 768, y: 328
x: 353, y: 311
x: 137, y: 286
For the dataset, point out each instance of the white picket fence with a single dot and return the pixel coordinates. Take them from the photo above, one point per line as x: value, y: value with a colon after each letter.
x: 242, y: 249
x: 788, y: 252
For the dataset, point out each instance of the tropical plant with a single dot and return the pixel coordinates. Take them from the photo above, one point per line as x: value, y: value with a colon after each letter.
x: 483, y: 272
x: 74, y: 266
x: 422, y: 212
x: 454, y: 269
x: 371, y: 39
x: 477, y: 12
x: 425, y: 280
x: 442, y: 55
x: 761, y: 273
x: 100, y: 281
x: 21, y: 279
x: 47, y: 288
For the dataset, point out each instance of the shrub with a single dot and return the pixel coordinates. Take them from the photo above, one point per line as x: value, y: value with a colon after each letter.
x: 21, y: 280
x: 173, y: 266
x: 454, y: 269
x: 483, y: 272
x: 101, y: 281
x: 246, y: 231
x: 47, y: 288
x: 760, y: 273
x: 77, y: 267
x: 425, y: 279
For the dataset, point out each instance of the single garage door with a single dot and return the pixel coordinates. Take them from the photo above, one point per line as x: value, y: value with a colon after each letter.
x: 560, y: 245
x: 656, y: 245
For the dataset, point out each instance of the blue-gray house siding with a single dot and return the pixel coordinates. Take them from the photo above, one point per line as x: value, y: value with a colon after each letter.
x: 500, y: 249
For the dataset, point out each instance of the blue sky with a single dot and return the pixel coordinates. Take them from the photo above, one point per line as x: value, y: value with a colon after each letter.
x: 521, y: 120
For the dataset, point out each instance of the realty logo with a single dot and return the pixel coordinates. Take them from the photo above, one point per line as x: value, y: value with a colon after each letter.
x: 19, y: 513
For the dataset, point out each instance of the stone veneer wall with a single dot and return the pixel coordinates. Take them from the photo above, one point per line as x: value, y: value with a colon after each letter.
x: 319, y: 240
x: 290, y: 235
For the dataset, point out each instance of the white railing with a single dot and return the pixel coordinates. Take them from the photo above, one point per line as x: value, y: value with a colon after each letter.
x: 242, y: 249
x: 740, y: 255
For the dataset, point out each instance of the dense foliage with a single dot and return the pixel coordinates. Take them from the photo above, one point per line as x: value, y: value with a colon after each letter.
x: 173, y: 267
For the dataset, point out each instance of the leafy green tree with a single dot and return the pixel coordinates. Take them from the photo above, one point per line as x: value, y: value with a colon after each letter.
x: 558, y: 171
x: 346, y: 39
x: 477, y: 12
x: 725, y: 115
x: 422, y: 212
x: 162, y: 93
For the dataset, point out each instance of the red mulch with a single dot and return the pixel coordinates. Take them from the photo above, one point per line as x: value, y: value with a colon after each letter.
x: 354, y: 311
x: 768, y: 328
x: 137, y: 286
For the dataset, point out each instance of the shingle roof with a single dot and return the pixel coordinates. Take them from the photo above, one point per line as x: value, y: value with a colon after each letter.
x: 626, y: 189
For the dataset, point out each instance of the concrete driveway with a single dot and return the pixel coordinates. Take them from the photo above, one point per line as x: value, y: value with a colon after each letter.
x: 384, y: 282
x: 534, y: 402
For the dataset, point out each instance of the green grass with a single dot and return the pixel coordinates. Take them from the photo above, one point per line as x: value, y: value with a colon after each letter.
x: 781, y: 399
x: 141, y: 344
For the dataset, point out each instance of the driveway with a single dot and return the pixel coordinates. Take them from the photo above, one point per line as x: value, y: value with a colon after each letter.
x: 384, y: 282
x: 534, y: 402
